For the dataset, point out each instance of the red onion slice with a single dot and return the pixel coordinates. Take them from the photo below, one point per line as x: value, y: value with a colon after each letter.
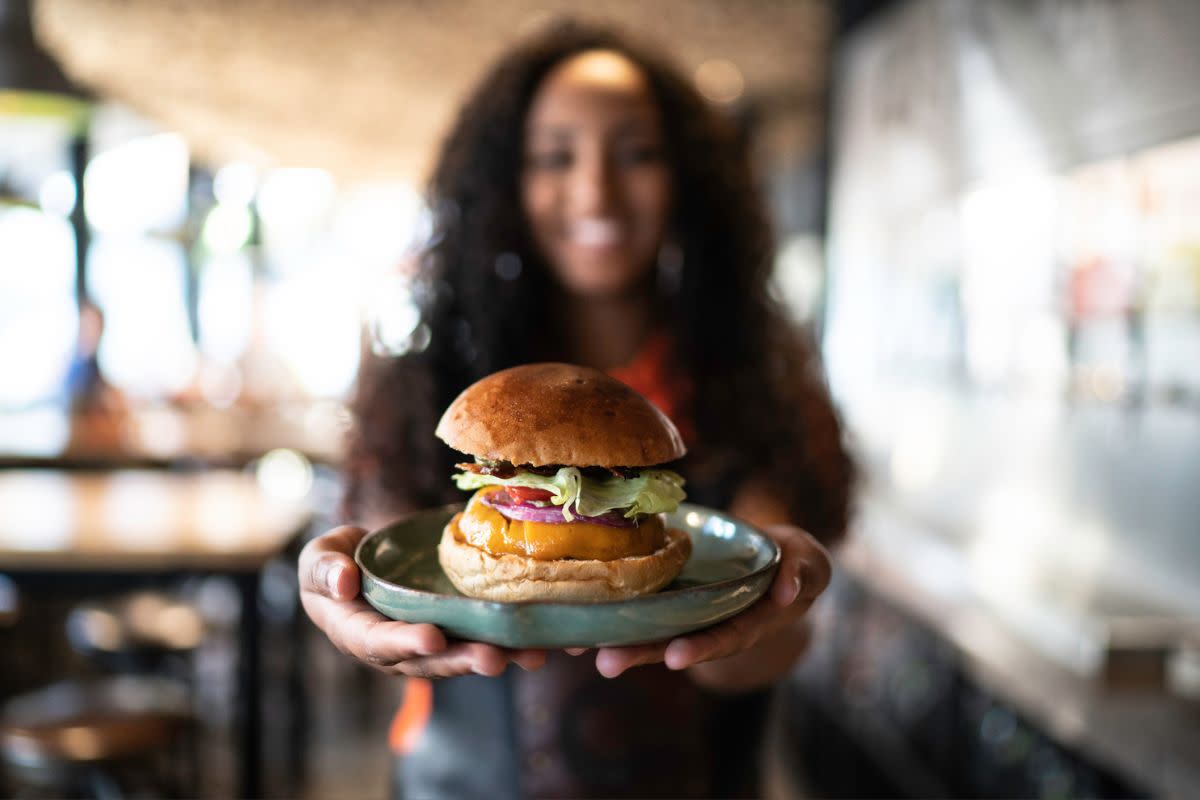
x: 528, y: 512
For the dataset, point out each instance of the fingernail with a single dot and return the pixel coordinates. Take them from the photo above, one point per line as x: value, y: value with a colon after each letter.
x: 333, y: 577
x: 790, y: 592
x: 606, y: 669
x: 676, y: 657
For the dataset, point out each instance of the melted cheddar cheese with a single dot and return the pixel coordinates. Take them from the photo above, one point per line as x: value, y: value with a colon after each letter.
x: 486, y: 528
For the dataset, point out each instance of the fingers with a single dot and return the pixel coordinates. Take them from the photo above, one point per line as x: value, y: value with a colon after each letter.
x: 815, y: 573
x: 359, y: 630
x: 461, y: 658
x: 528, y: 660
x: 805, y: 569
x: 802, y: 576
x: 737, y: 633
x: 401, y: 648
x: 330, y: 582
x: 612, y: 661
x: 327, y: 564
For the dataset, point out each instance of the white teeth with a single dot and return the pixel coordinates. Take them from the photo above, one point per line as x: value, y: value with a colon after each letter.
x: 596, y: 232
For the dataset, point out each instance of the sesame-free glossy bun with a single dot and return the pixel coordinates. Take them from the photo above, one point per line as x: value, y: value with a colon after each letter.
x: 559, y: 414
x: 477, y: 573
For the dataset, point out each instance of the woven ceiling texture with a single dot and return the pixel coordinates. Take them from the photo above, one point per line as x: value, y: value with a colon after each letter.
x: 365, y: 89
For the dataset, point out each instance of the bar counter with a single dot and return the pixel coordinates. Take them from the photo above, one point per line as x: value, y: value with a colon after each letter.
x: 1052, y: 669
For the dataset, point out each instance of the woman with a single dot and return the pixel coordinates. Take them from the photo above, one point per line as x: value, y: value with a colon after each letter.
x: 591, y: 208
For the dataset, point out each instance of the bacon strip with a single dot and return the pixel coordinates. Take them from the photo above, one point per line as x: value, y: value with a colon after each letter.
x: 501, y: 469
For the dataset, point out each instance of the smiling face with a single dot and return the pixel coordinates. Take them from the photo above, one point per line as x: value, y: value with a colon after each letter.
x: 596, y: 188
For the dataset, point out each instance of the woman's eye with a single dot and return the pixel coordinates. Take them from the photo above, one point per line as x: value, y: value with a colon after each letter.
x: 639, y: 154
x: 550, y: 159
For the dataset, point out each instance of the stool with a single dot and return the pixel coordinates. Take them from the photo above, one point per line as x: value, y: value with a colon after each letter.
x: 105, y: 738
x: 144, y: 632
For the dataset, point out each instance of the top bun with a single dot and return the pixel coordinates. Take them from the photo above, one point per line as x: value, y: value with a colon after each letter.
x: 543, y: 414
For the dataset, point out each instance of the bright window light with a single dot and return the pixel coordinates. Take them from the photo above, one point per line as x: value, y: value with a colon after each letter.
x: 138, y: 186
x: 139, y: 284
x: 38, y: 318
x: 235, y: 184
x: 392, y: 316
x: 57, y: 194
x: 226, y: 307
x: 294, y: 207
x: 378, y: 223
x: 32, y: 148
x: 797, y: 276
x: 312, y: 325
x: 1008, y: 232
x: 227, y: 229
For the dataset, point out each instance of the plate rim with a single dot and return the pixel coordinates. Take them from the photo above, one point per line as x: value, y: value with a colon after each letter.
x: 772, y: 563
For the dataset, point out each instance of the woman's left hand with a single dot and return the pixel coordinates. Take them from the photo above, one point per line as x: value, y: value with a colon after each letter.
x: 769, y: 631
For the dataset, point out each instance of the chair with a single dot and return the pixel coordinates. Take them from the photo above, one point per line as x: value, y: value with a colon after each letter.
x: 144, y: 632
x: 105, y: 738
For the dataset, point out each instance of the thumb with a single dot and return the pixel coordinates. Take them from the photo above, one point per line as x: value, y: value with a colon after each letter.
x: 326, y: 567
x: 805, y: 570
x: 335, y: 576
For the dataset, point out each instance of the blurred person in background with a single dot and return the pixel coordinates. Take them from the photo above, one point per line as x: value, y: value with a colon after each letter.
x: 590, y: 207
x: 98, y: 409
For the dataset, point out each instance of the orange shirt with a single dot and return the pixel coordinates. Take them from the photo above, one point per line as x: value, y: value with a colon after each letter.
x: 649, y: 374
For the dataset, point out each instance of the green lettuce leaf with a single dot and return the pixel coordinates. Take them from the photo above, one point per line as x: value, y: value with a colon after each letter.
x: 651, y: 492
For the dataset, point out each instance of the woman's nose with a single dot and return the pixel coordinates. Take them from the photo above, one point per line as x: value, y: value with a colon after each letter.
x: 592, y: 189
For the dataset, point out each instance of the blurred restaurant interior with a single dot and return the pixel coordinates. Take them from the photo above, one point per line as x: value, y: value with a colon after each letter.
x: 988, y: 214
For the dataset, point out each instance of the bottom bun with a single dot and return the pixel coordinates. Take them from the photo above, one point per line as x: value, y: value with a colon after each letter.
x: 476, y: 573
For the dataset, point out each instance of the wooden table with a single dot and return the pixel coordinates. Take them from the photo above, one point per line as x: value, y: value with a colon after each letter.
x: 162, y: 436
x: 57, y: 525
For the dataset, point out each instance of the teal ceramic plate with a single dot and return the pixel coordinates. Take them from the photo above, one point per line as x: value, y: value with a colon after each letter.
x: 731, y: 566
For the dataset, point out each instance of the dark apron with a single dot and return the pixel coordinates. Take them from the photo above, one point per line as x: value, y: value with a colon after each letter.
x: 566, y: 731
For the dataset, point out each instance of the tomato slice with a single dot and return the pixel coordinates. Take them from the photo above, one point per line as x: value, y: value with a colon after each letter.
x: 525, y: 494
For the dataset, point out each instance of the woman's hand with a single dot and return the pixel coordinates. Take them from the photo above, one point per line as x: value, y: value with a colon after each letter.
x: 754, y: 648
x: 329, y: 586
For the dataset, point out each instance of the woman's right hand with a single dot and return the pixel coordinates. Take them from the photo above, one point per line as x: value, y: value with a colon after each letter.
x: 329, y: 590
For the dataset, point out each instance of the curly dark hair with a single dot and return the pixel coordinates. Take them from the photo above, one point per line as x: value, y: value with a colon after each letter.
x: 759, y: 403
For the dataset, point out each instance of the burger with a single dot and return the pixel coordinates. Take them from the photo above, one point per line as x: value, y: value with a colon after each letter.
x: 569, y: 492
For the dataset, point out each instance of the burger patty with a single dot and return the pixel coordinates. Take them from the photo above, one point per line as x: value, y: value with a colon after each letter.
x: 505, y: 469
